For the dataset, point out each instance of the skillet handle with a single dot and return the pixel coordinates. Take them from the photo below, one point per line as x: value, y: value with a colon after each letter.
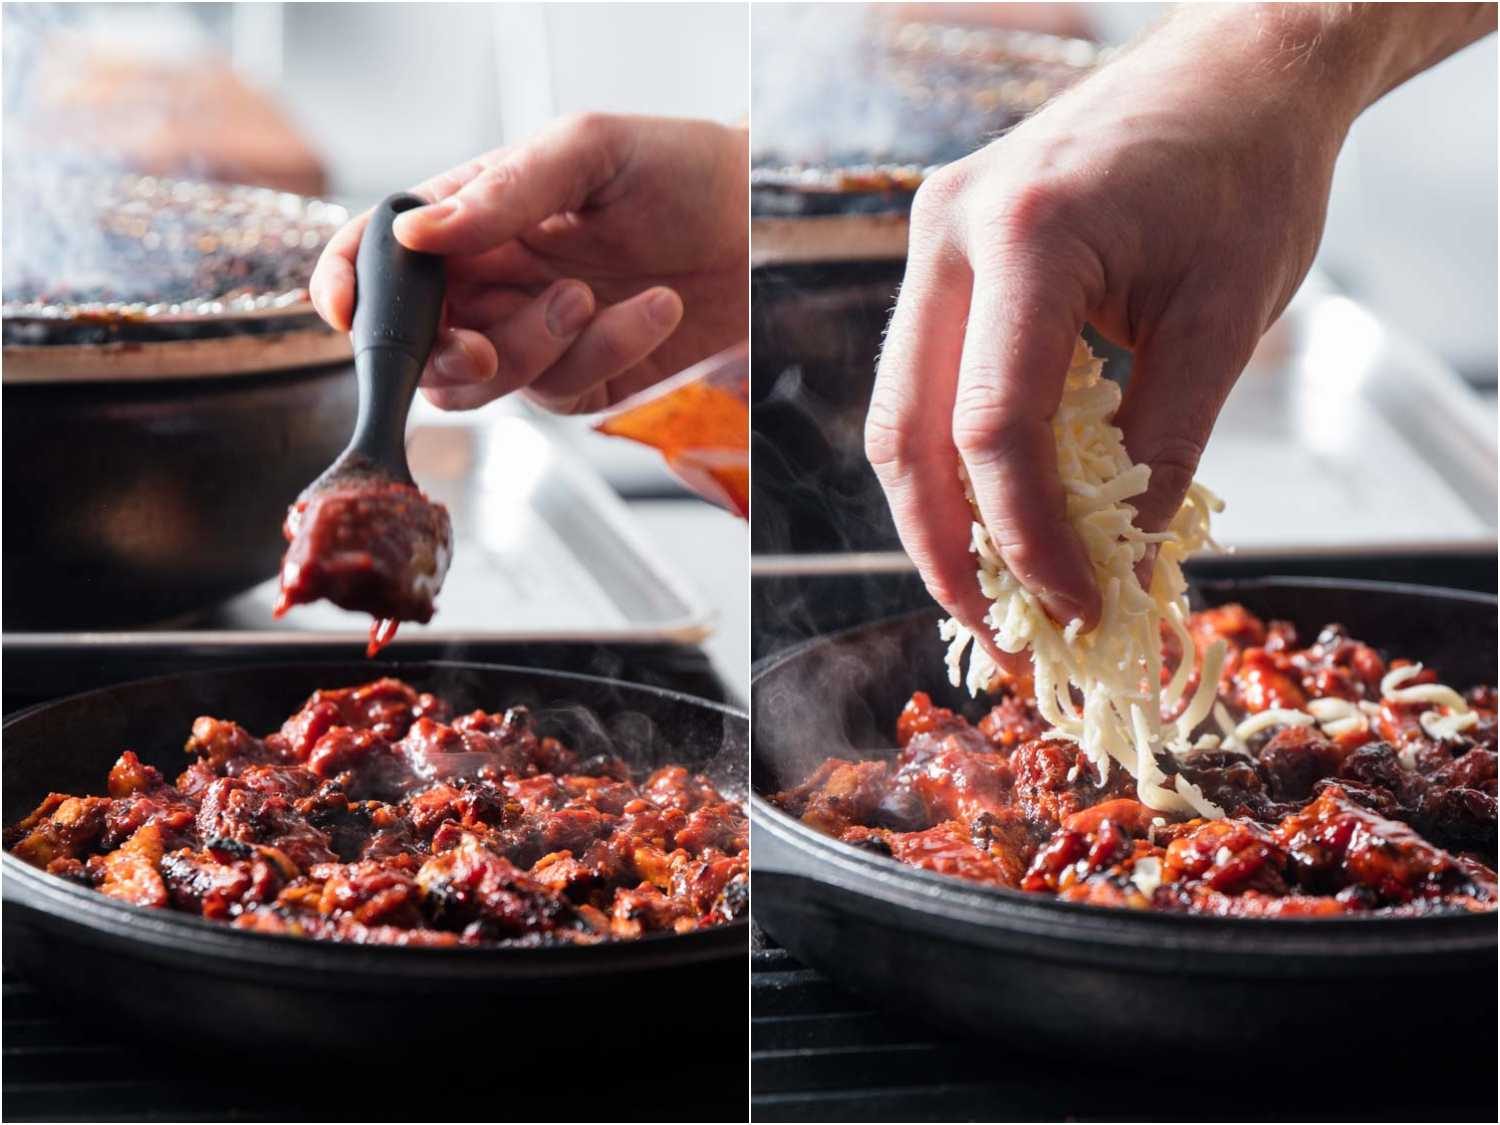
x: 772, y: 854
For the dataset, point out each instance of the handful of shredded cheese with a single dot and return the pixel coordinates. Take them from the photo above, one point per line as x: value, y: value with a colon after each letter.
x: 1115, y: 671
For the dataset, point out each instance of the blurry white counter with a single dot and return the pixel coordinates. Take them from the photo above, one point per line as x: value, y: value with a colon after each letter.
x: 1344, y: 435
x: 710, y: 551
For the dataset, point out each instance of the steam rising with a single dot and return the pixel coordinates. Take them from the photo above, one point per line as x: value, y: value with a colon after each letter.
x: 96, y: 99
x: 812, y: 89
x: 53, y: 158
x: 840, y: 85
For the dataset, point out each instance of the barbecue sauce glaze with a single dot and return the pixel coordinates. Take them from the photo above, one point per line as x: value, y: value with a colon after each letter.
x: 373, y: 546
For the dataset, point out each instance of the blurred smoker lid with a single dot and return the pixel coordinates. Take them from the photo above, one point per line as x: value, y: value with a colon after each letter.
x: 144, y: 88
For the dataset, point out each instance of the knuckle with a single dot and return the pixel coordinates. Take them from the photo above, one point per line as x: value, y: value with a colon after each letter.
x: 888, y: 439
x: 493, y: 184
x: 935, y: 199
x: 1028, y: 212
x: 1023, y: 560
x: 981, y: 423
x: 587, y: 126
x: 615, y: 348
x: 514, y: 361
x: 1173, y: 464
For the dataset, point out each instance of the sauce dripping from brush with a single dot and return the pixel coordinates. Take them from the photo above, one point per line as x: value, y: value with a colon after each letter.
x: 367, y: 544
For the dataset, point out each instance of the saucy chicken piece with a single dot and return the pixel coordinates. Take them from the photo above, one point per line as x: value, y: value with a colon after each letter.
x: 1334, y: 842
x: 371, y: 545
x: 130, y: 871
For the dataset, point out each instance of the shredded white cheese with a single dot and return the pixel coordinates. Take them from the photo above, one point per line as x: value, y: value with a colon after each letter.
x: 1456, y: 716
x: 1115, y: 670
x: 1330, y: 708
x: 1271, y: 717
x: 1146, y: 874
x: 1443, y: 727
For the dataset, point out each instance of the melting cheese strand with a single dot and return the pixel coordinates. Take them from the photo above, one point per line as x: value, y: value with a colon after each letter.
x: 1172, y: 695
x: 1115, y: 670
x: 1435, y: 724
x: 1207, y: 694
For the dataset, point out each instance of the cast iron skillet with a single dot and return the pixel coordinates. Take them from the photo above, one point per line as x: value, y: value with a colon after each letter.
x: 1004, y: 964
x: 133, y: 502
x: 203, y: 981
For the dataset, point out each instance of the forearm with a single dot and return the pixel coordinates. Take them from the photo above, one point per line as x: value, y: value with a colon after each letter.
x: 1350, y: 55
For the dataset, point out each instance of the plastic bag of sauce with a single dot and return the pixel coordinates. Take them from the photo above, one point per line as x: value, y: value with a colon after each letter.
x: 699, y: 420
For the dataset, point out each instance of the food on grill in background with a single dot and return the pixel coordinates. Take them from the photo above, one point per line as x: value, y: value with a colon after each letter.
x: 1351, y: 783
x: 363, y: 535
x: 1103, y: 689
x: 377, y: 815
x: 112, y: 254
x: 700, y: 422
x: 852, y: 113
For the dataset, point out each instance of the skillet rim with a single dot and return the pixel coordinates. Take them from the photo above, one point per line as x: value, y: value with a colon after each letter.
x: 163, y: 932
x: 916, y: 889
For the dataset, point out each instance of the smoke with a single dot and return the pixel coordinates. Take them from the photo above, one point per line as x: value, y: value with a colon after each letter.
x: 842, y: 700
x: 711, y: 744
x: 841, y: 85
x: 100, y: 103
x: 59, y: 60
x: 814, y: 96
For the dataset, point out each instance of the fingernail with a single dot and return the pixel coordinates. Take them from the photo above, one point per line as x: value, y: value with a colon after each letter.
x: 433, y: 213
x: 452, y: 364
x: 663, y: 309
x: 1060, y: 609
x: 568, y: 310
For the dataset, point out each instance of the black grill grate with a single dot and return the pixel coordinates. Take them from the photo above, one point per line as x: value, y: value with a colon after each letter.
x: 58, y: 1067
x: 819, y: 1054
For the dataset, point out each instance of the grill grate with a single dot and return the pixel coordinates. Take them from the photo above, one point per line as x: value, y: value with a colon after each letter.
x: 60, y: 1068
x: 819, y: 1054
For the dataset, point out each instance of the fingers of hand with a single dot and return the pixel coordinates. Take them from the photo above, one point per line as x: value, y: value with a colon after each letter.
x: 614, y: 342
x: 556, y: 171
x: 332, y: 285
x: 461, y: 366
x: 522, y: 346
x: 1020, y: 340
x: 1178, y: 383
x: 908, y: 435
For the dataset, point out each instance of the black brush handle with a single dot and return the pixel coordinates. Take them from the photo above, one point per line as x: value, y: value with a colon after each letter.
x: 398, y: 303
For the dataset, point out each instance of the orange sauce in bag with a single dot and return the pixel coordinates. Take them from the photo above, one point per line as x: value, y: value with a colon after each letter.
x: 699, y: 421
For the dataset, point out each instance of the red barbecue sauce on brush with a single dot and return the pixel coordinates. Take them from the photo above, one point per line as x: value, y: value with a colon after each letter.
x: 374, y: 546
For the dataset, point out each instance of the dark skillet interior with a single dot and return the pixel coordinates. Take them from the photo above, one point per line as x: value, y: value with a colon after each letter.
x: 247, y: 987
x: 1000, y: 962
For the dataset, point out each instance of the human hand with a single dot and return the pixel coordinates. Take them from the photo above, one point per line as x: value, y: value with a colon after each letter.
x: 589, y: 262
x: 1174, y: 200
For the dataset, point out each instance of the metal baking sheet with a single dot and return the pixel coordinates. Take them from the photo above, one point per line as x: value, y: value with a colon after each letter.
x: 544, y: 552
x: 1342, y: 437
